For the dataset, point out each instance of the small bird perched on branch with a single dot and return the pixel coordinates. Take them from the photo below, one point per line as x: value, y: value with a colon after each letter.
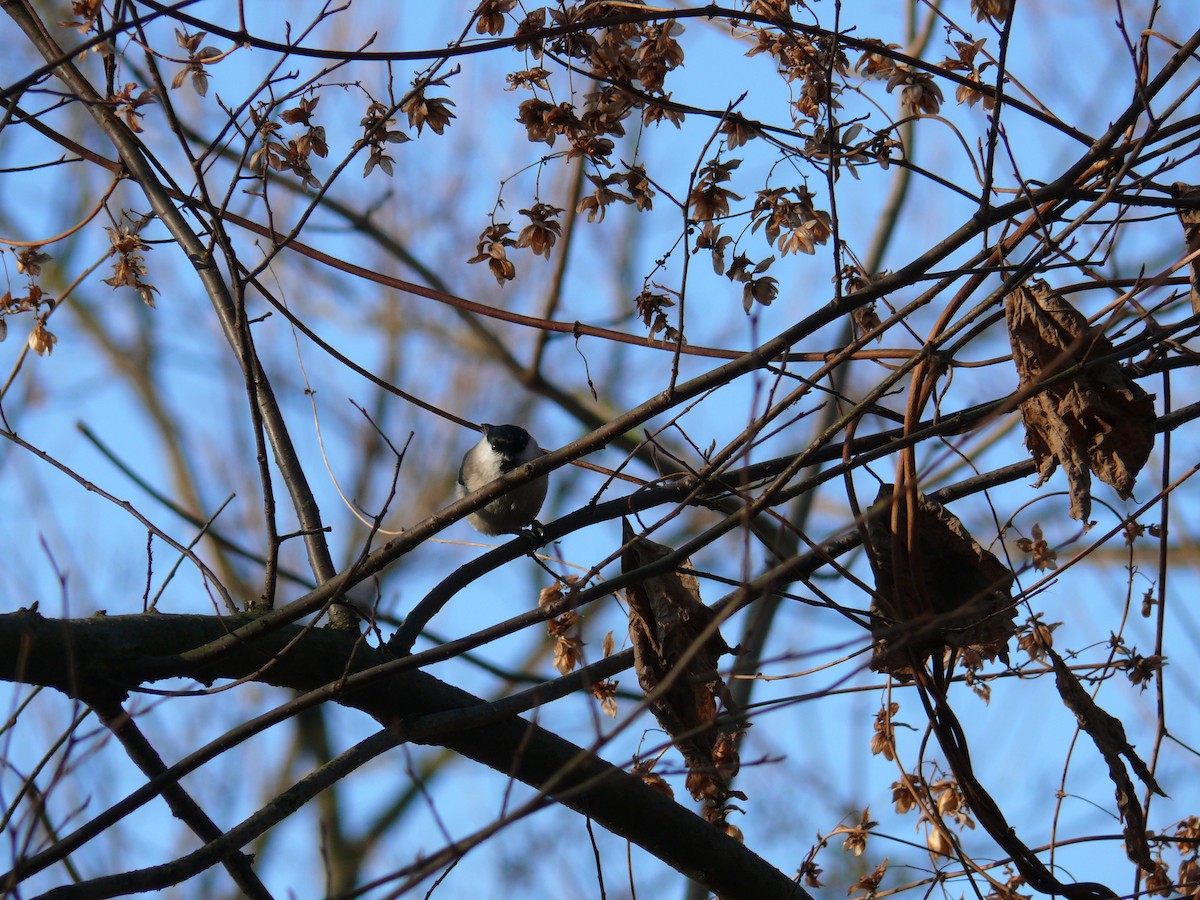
x: 502, y: 449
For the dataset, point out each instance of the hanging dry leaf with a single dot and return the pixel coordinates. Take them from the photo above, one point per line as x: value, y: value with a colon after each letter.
x: 856, y: 835
x: 568, y: 651
x: 945, y: 594
x: 644, y: 769
x: 674, y: 637
x: 606, y: 693
x: 870, y: 881
x: 1099, y: 421
x: 568, y: 645
x: 1109, y: 736
x: 1189, y: 216
x: 883, y: 740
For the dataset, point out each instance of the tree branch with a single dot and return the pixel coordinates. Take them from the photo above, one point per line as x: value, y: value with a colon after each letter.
x: 105, y: 656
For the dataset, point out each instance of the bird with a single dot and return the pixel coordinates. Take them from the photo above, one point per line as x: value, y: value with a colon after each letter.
x: 502, y: 449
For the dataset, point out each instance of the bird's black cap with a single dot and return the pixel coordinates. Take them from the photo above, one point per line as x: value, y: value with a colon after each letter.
x: 506, y: 439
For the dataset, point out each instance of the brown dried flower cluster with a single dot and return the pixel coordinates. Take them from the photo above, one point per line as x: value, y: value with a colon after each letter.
x: 964, y: 62
x: 606, y: 693
x: 432, y: 111
x: 883, y: 738
x: 869, y: 883
x: 313, y: 138
x: 197, y: 58
x: 493, y: 248
x: 490, y: 16
x: 657, y: 54
x: 568, y: 645
x: 29, y: 263
x: 877, y: 62
x: 919, y: 92
x: 995, y: 9
x: 1187, y: 843
x: 1041, y: 554
x: 738, y: 130
x: 865, y: 318
x: 709, y: 199
x: 377, y: 134
x: 644, y: 769
x: 809, y: 62
x: 652, y: 306
x: 130, y: 266
x: 85, y: 13
x: 294, y: 155
x: 540, y: 236
x: 597, y: 202
x: 542, y: 231
x: 857, y: 834
x: 711, y: 239
x: 565, y: 630
x: 128, y: 103
x: 792, y: 222
x: 1142, y: 670
x: 631, y: 60
x: 1036, y: 638
x: 41, y: 339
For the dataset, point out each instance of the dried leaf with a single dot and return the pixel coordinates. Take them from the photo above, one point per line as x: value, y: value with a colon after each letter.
x: 644, y: 769
x: 554, y: 593
x: 659, y: 784
x: 856, y: 835
x: 1098, y: 421
x: 41, y: 339
x: 568, y: 650
x: 1043, y: 555
x: 1189, y: 216
x: 945, y: 594
x: 1109, y: 736
x: 606, y: 693
x: 1037, y: 636
x: 938, y: 842
x: 884, y: 738
x: 870, y: 881
x: 549, y: 594
x: 674, y: 637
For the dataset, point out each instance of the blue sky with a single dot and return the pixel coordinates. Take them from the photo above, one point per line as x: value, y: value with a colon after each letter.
x: 813, y: 764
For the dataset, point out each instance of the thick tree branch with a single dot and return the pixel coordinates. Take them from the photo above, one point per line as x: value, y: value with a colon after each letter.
x: 105, y: 655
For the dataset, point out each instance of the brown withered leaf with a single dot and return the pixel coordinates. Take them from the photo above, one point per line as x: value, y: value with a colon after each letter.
x: 1109, y: 736
x: 870, y: 881
x: 1189, y: 217
x: 1098, y: 422
x: 668, y: 621
x: 947, y: 593
x: 644, y: 769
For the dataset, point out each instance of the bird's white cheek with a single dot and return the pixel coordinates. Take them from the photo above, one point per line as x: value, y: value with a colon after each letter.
x: 491, y: 470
